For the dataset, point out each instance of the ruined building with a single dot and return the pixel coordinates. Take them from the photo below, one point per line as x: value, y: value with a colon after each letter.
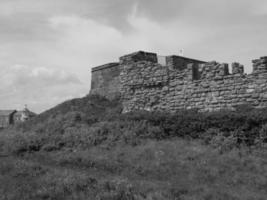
x: 145, y: 81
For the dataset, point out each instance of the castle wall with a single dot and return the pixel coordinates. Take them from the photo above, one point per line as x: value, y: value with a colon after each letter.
x: 105, y: 80
x: 179, y: 62
x: 183, y: 83
x: 139, y: 56
x: 260, y: 64
x: 150, y: 86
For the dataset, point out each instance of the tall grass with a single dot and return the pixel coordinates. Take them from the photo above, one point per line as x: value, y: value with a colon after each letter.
x: 167, y: 169
x: 86, y: 149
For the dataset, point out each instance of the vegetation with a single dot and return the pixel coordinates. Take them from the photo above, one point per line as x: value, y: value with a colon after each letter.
x: 86, y: 149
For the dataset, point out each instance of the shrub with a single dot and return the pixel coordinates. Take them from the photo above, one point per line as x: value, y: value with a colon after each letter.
x: 93, y: 120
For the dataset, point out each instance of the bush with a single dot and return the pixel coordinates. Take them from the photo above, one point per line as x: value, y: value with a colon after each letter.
x: 93, y: 120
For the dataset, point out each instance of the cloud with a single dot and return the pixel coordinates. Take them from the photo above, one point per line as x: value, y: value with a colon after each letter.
x: 25, y: 27
x: 114, y: 13
x: 38, y: 87
x: 25, y: 76
x: 22, y: 20
x: 260, y: 9
x: 70, y: 37
x: 106, y: 12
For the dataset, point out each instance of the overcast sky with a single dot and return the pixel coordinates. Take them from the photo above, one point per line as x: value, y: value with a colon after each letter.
x: 47, y: 47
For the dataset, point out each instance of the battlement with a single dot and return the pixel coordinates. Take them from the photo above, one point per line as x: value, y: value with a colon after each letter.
x: 139, y: 56
x: 180, y: 83
x: 180, y: 63
x: 104, y: 67
x: 260, y: 65
x: 237, y: 68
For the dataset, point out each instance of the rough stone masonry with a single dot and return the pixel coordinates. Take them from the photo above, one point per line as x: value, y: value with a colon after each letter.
x: 180, y: 83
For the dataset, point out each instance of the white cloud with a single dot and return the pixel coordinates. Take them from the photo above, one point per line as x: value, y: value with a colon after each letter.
x: 166, y: 38
x: 39, y: 87
x: 70, y: 38
x: 97, y: 43
x: 24, y: 76
x: 260, y: 9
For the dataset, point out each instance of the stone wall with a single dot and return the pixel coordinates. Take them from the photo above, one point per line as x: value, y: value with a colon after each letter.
x: 179, y: 62
x: 105, y: 80
x: 6, y: 118
x: 146, y: 85
x: 260, y: 65
x: 139, y: 56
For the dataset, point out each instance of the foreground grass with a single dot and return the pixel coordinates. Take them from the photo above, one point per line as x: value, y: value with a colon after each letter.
x: 86, y: 149
x: 175, y: 169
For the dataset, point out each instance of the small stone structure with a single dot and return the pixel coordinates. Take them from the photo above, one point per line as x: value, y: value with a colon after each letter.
x: 6, y: 118
x: 183, y: 83
x: 11, y: 117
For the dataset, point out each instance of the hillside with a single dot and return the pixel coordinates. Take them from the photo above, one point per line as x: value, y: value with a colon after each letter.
x: 86, y: 149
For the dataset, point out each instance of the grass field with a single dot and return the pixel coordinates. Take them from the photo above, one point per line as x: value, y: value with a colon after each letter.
x: 86, y: 149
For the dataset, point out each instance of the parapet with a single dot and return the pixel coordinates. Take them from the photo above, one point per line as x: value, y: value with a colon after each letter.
x: 237, y: 68
x: 180, y: 63
x: 260, y: 65
x: 106, y: 66
x: 213, y: 70
x: 139, y: 56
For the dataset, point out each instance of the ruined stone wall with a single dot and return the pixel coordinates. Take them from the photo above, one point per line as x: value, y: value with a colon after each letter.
x: 150, y: 86
x: 105, y: 80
